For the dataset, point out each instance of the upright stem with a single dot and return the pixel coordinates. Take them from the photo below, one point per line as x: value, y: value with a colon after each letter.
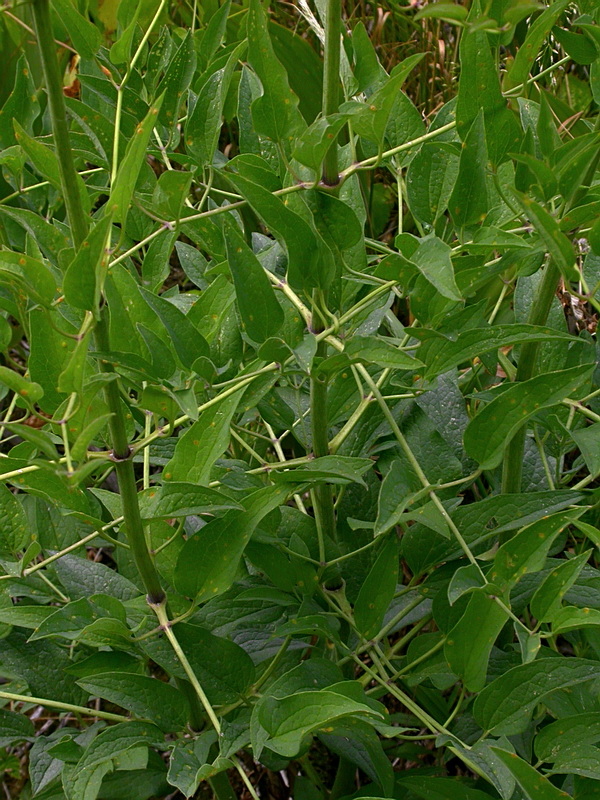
x: 54, y: 86
x: 79, y: 227
x: 323, y: 495
x: 512, y: 468
x: 331, y: 82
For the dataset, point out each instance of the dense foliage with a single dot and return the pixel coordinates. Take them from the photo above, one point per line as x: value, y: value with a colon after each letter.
x: 300, y: 424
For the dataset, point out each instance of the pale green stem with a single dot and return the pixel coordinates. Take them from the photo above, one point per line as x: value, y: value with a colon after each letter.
x: 42, y: 701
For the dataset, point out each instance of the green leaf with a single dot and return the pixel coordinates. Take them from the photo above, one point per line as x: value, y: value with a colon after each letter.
x: 129, y: 169
x: 148, y: 698
x: 198, y: 448
x: 491, y: 429
x: 588, y: 441
x: 14, y: 529
x: 378, y: 590
x: 377, y: 351
x: 470, y: 641
x: 29, y: 391
x: 432, y: 258
x: 570, y: 618
x: 113, y: 743
x: 479, y: 92
x: 176, y: 81
x: 430, y: 788
x: 41, y: 440
x: 305, y: 263
x: 223, y: 668
x: 187, y: 757
x: 188, y: 342
x: 332, y: 469
x: 566, y: 735
x: 547, y: 598
x: 290, y: 720
x: 528, y: 549
x: 28, y: 275
x: 14, y: 728
x: 275, y: 113
x: 357, y: 742
x: 533, y: 785
x: 204, y: 125
x: 442, y: 353
x: 468, y: 202
x: 208, y: 562
x: 121, y: 50
x: 50, y: 354
x: 536, y: 35
x: 22, y: 104
x: 262, y: 316
x: 84, y: 275
x: 505, y: 705
x: 449, y: 12
x: 180, y: 499
x: 370, y: 119
x: 86, y: 37
x: 430, y: 180
x: 312, y: 146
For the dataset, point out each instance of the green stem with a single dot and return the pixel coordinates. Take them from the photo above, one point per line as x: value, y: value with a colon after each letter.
x: 79, y: 228
x: 512, y: 468
x: 331, y: 82
x: 43, y: 701
x: 323, y: 494
x: 56, y: 101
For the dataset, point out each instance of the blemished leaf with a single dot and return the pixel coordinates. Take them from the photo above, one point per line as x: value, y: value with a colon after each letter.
x: 505, y: 705
x: 547, y: 599
x: 491, y: 429
x: 209, y: 560
x: 176, y: 81
x: 275, y: 113
x: 28, y: 390
x: 570, y: 618
x: 261, y: 313
x: 377, y: 590
x: 313, y: 144
x: 129, y: 168
x: 147, y: 698
x: 528, y: 51
x: 22, y: 104
x: 566, y: 734
x: 290, y: 720
x: 199, y: 447
x: 186, y: 758
x: 527, y: 550
x: 28, y: 275
x: 470, y: 641
x: 533, y: 785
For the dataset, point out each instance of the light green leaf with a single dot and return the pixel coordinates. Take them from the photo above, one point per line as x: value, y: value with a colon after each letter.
x: 28, y: 275
x: 29, y: 391
x: 378, y: 589
x: 290, y: 720
x: 570, y: 618
x: 187, y: 757
x: 491, y: 429
x: 433, y: 261
x: 148, y: 698
x: 505, y: 706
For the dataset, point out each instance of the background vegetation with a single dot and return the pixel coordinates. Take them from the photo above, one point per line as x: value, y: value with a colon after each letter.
x: 300, y: 425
